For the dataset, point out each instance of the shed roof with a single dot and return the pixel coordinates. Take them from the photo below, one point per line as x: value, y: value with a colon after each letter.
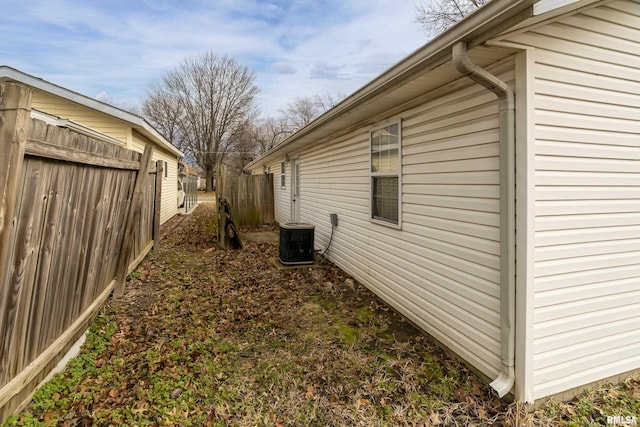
x: 138, y: 123
x: 429, y: 68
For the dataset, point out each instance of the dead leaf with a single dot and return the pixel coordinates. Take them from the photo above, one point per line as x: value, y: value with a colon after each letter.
x: 46, y: 417
x: 482, y: 413
x: 310, y: 391
x: 477, y: 391
x: 176, y: 393
x: 141, y: 407
x: 434, y: 418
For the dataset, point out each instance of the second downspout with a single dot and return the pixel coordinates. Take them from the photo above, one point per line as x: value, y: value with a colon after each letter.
x: 504, y: 382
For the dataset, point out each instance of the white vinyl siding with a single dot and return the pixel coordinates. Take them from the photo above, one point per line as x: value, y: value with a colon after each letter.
x: 281, y: 196
x: 169, y: 198
x: 587, y: 197
x: 442, y: 269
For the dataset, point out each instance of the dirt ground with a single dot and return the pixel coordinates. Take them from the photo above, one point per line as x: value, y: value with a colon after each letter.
x: 207, y: 337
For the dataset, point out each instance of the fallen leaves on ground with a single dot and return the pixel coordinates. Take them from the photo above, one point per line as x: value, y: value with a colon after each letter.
x: 208, y: 337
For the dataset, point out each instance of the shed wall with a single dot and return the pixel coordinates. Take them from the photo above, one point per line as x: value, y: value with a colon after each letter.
x: 169, y: 199
x: 441, y: 269
x: 93, y: 119
x: 587, y: 196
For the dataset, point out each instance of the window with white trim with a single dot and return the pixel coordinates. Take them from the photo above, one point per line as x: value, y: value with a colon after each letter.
x: 283, y: 169
x: 385, y: 174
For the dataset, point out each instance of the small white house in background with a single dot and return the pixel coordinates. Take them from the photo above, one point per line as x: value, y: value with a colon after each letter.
x: 488, y: 188
x: 57, y: 105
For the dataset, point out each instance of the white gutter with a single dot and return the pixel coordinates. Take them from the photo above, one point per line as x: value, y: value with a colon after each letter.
x: 505, y: 381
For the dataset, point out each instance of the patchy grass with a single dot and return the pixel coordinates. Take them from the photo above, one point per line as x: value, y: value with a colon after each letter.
x: 210, y: 338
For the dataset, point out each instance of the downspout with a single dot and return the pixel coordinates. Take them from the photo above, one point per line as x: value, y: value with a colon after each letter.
x: 504, y: 382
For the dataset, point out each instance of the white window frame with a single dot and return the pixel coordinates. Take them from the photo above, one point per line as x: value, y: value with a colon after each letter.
x: 397, y: 173
x: 283, y: 175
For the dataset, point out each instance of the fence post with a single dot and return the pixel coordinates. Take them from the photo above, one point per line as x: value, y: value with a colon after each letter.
x: 222, y: 237
x: 15, y: 120
x: 157, y: 206
x: 132, y: 217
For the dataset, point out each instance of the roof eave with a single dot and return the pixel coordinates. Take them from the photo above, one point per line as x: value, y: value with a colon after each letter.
x: 478, y: 27
x: 9, y: 73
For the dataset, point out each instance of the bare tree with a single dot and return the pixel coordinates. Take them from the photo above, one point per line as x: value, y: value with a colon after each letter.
x: 270, y: 133
x: 201, y: 104
x: 438, y: 15
x: 327, y: 101
x: 244, y: 146
x: 253, y: 139
x: 163, y: 108
x: 301, y: 111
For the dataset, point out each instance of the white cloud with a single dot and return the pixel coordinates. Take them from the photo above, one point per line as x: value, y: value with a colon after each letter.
x: 283, y: 68
x: 322, y: 71
x: 296, y: 49
x: 349, y: 56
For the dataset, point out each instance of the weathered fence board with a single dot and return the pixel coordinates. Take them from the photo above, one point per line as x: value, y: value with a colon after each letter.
x: 155, y: 232
x: 250, y: 197
x: 133, y: 215
x: 42, y: 149
x: 75, y: 214
x: 14, y: 126
x: 15, y: 102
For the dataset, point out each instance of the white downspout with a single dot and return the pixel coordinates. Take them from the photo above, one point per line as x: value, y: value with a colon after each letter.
x: 503, y: 384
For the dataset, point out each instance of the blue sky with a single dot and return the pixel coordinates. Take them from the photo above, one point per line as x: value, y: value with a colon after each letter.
x: 114, y: 49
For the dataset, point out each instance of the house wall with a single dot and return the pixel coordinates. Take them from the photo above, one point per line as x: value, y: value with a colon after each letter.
x: 587, y: 197
x: 89, y: 117
x: 281, y: 196
x: 441, y: 269
x: 169, y: 204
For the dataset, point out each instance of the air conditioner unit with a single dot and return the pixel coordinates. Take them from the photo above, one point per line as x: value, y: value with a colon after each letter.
x: 296, y: 243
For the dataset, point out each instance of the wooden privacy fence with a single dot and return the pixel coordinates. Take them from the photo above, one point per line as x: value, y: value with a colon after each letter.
x: 250, y: 197
x: 76, y: 216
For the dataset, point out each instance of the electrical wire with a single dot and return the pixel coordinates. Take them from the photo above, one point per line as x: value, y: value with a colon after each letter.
x: 330, y: 239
